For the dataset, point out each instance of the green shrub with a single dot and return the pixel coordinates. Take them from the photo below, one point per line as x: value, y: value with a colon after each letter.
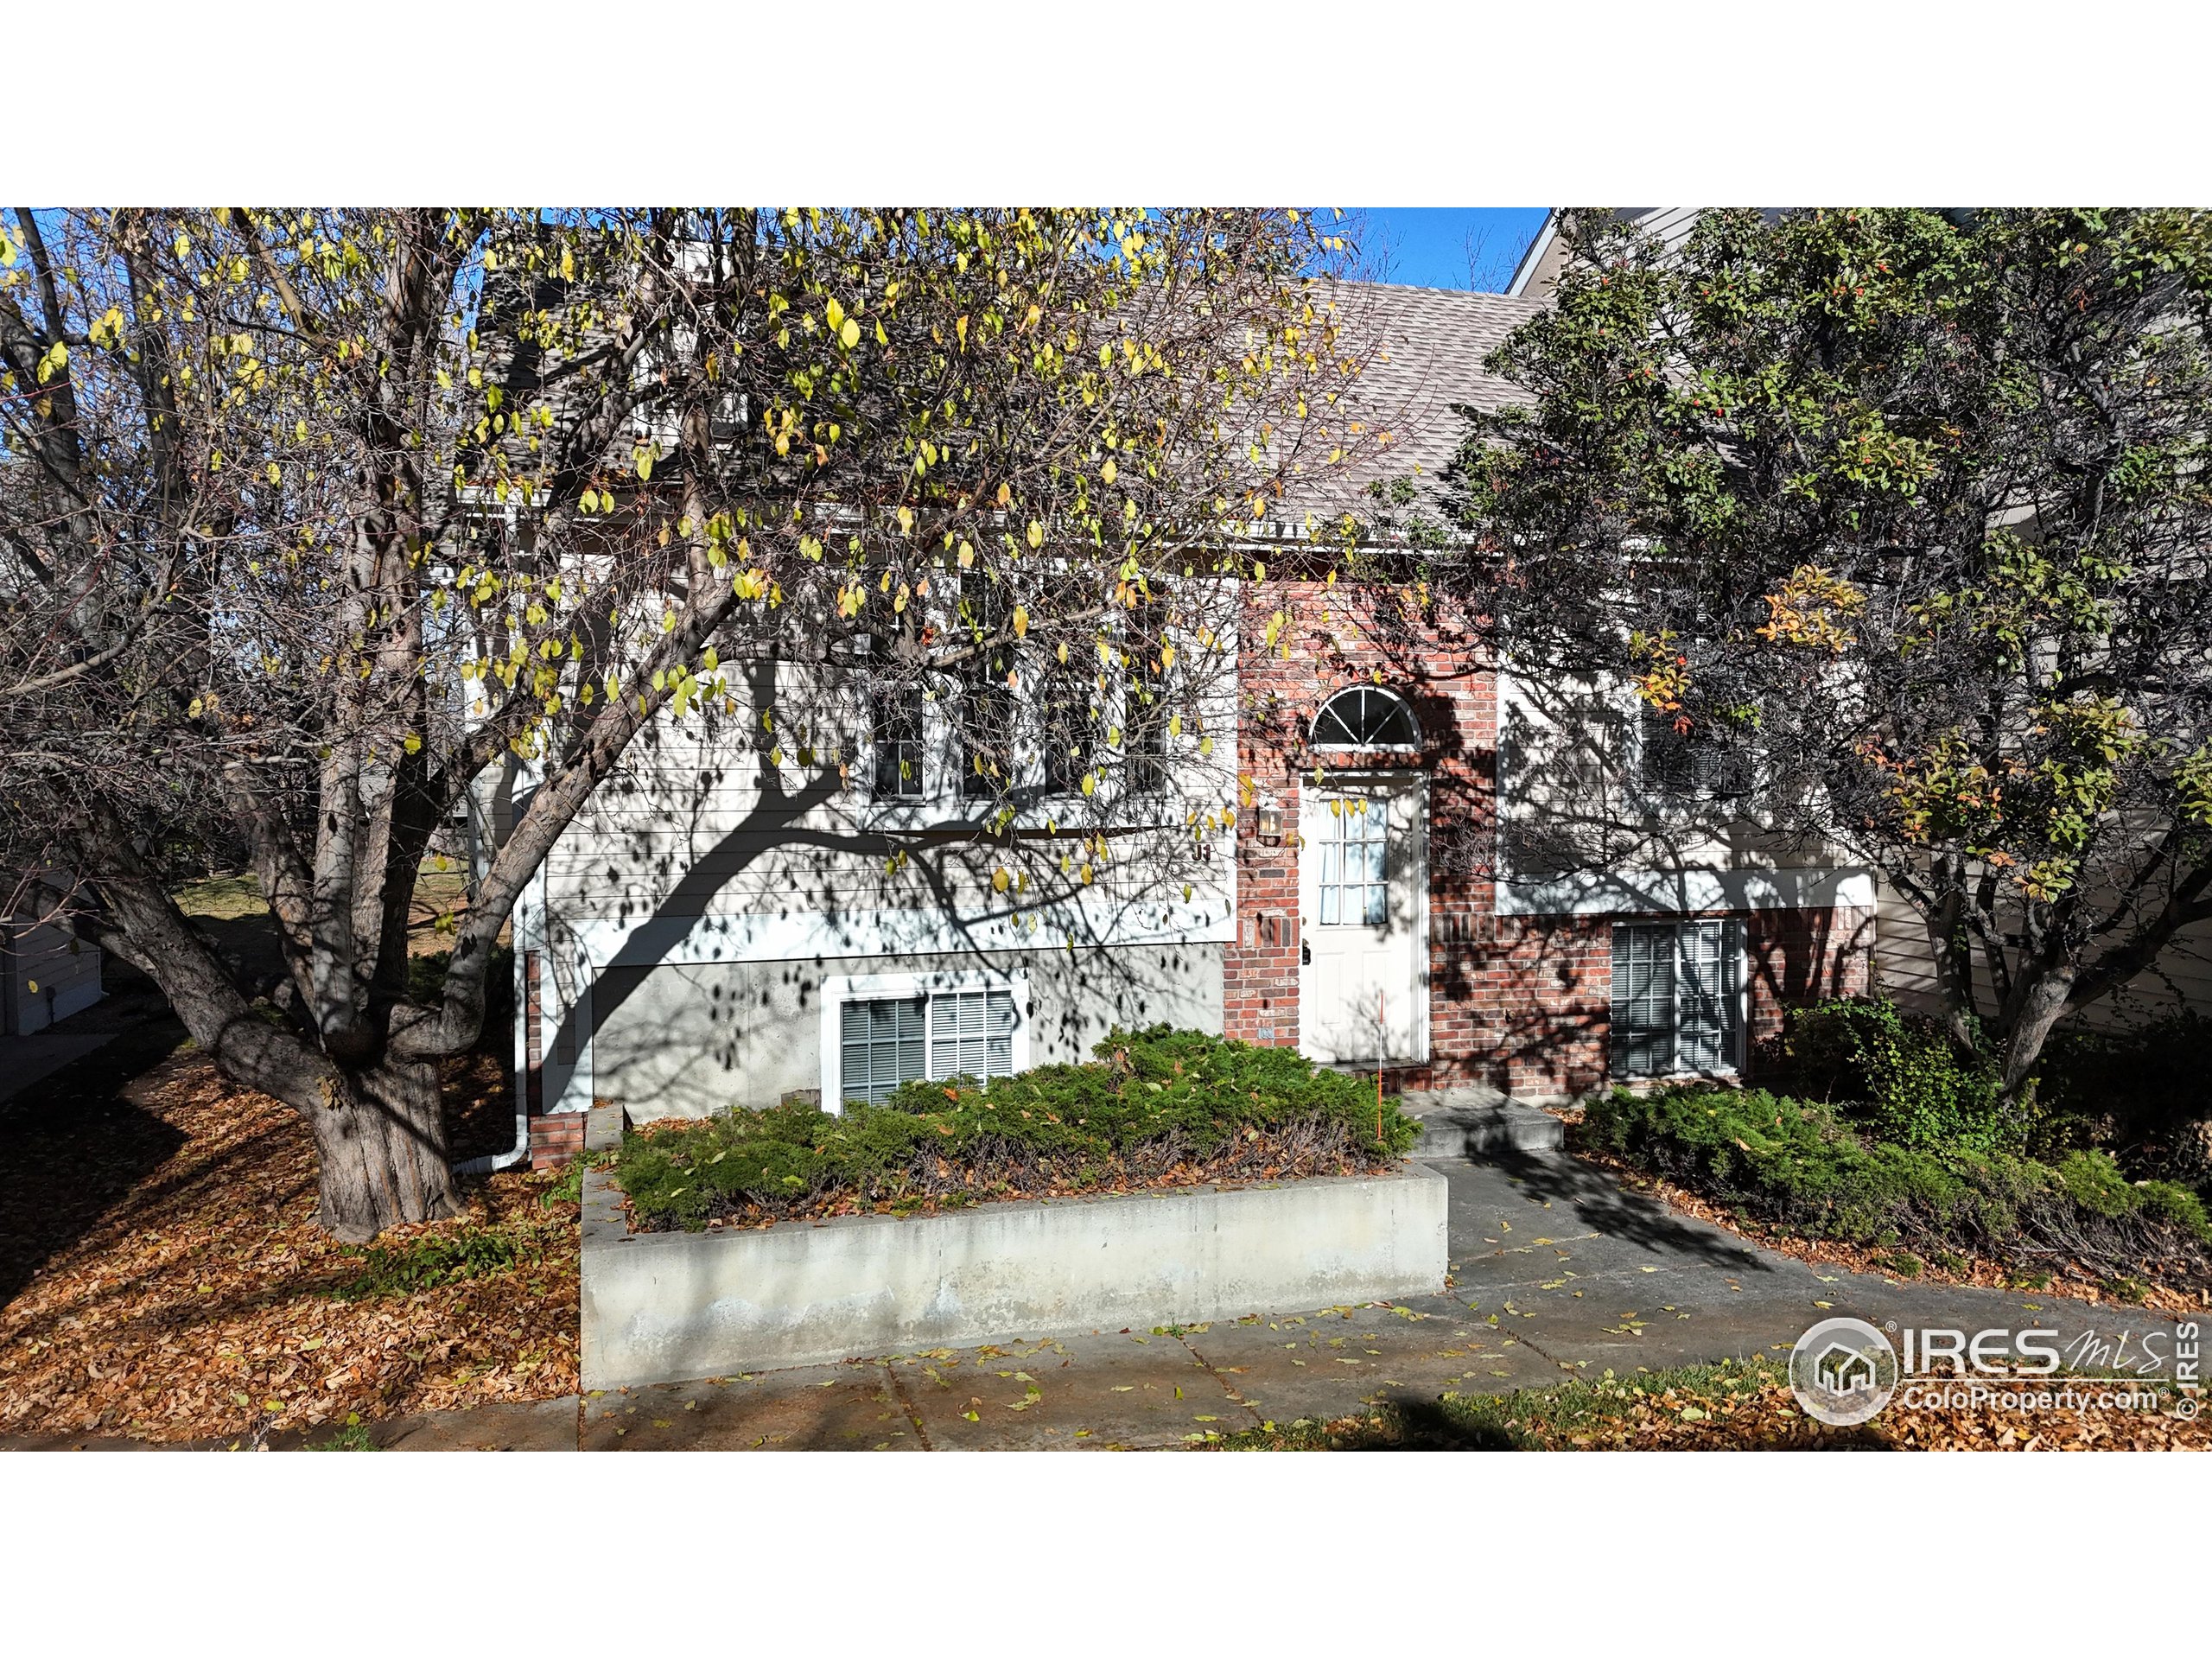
x: 350, y: 1436
x: 2094, y: 1181
x: 427, y: 1263
x: 1800, y: 1165
x: 1158, y: 1104
x: 2132, y: 1090
x: 1900, y: 1074
x: 2176, y: 1206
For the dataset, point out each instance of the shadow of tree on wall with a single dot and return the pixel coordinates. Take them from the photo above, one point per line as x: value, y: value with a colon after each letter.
x: 693, y: 879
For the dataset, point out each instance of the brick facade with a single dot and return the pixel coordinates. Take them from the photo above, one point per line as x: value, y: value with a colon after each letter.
x: 1517, y: 1002
x: 555, y: 1139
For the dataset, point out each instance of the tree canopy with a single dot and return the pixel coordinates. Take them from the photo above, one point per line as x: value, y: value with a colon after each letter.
x: 309, y: 518
x: 1903, y: 515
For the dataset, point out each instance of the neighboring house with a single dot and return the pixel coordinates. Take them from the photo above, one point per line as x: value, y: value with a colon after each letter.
x: 722, y: 927
x: 1903, y: 966
x: 47, y: 973
x: 1536, y: 276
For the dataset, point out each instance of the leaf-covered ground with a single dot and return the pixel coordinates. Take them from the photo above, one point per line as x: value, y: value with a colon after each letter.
x: 1739, y: 1407
x: 159, y: 1277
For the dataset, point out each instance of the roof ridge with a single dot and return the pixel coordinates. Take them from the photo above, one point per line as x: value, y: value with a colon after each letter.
x: 1514, y: 300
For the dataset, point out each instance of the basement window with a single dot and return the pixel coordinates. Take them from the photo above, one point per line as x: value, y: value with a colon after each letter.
x: 884, y: 1030
x: 1678, y: 993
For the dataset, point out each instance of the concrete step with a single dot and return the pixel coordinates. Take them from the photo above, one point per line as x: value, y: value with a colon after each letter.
x: 1471, y: 1124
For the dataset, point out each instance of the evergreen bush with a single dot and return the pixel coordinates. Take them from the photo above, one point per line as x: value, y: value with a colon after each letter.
x: 1158, y: 1106
x: 1800, y: 1165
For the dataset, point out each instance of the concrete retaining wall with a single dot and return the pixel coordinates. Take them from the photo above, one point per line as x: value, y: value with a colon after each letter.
x: 669, y: 1307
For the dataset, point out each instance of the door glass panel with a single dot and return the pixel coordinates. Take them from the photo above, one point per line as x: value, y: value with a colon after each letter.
x: 1355, y: 862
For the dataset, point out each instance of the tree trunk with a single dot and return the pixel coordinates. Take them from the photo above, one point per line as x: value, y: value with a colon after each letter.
x: 1954, y: 965
x: 380, y: 1134
x: 2042, y: 1000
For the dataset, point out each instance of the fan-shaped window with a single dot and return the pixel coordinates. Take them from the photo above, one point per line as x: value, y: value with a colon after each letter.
x: 1366, y: 717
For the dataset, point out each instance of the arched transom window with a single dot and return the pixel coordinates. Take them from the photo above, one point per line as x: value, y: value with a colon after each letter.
x: 1366, y: 717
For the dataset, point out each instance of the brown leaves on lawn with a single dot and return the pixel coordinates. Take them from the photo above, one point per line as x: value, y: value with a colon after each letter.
x: 1735, y: 1408
x: 187, y: 1296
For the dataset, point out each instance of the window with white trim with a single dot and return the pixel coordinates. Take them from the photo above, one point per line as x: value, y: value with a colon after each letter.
x: 1068, y: 708
x: 1145, y: 694
x: 985, y: 706
x: 897, y: 741
x: 1679, y: 767
x: 1366, y: 717
x: 883, y: 1046
x: 971, y: 1033
x: 889, y: 1041
x: 1678, y: 991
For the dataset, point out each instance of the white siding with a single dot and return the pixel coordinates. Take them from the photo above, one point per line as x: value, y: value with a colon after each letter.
x: 706, y: 834
x: 720, y: 843
x: 1578, y: 833
x: 49, y: 976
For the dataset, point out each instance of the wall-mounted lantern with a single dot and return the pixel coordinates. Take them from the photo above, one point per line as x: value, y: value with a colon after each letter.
x: 1270, y: 823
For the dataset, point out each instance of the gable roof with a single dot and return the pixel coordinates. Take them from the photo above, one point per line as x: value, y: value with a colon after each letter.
x: 1423, y: 351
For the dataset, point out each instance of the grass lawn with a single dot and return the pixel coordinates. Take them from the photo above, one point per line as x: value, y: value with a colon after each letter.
x: 1740, y: 1406
x: 441, y: 896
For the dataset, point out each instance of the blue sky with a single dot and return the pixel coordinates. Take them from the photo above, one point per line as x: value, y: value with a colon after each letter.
x: 1429, y: 247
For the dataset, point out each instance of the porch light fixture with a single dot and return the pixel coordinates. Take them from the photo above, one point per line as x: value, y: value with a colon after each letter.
x: 1270, y: 823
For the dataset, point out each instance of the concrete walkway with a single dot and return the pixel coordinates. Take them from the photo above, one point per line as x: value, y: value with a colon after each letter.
x: 1557, y: 1272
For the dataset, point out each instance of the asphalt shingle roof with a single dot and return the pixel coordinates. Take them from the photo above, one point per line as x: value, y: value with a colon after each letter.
x: 1424, y: 349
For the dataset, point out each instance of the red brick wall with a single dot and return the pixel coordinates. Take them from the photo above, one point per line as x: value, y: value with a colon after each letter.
x: 555, y: 1139
x: 1521, y: 1003
x: 1798, y: 956
x: 1334, y: 636
x: 1526, y: 1006
x: 1516, y: 1002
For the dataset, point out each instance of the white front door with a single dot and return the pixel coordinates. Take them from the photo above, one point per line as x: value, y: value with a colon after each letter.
x: 1364, y: 920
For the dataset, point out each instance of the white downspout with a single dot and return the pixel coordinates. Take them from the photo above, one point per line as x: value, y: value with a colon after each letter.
x: 525, y: 940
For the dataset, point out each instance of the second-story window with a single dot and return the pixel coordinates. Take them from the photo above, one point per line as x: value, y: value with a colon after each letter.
x: 895, y: 734
x: 1676, y: 767
x: 985, y: 712
x: 1068, y: 711
x: 1147, y: 709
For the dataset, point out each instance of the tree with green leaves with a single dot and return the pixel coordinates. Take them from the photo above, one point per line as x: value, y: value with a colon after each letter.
x: 311, y: 519
x: 1903, y: 516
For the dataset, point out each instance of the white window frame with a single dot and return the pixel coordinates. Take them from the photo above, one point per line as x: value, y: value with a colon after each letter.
x: 1731, y: 927
x: 840, y: 989
x: 945, y: 767
x: 923, y: 799
x: 1394, y: 695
